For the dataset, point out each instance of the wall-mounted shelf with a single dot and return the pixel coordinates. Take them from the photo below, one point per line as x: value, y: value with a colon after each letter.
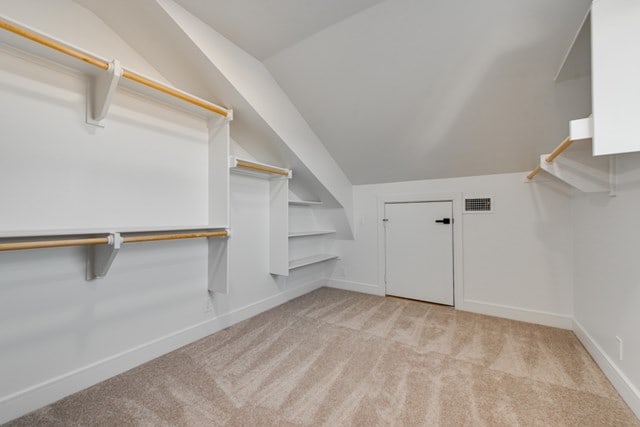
x: 105, y: 75
x: 304, y: 203
x: 260, y: 170
x: 314, y: 259
x: 293, y: 234
x: 10, y: 234
x: 577, y: 166
x: 102, y: 249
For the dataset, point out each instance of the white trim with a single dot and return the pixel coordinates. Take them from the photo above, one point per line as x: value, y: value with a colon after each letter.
x: 44, y: 393
x: 622, y: 384
x: 347, y: 285
x: 458, y: 262
x: 522, y: 314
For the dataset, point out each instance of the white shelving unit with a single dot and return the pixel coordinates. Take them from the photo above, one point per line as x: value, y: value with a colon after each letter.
x: 604, y: 48
x: 314, y: 259
x: 304, y: 203
x: 307, y: 240
x: 293, y: 234
x: 278, y: 178
x: 104, y: 77
x: 577, y: 166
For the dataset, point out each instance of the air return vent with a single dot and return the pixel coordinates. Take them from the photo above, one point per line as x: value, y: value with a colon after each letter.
x: 478, y: 205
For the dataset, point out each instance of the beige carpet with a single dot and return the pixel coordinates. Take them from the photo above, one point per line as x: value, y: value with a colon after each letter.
x: 340, y: 358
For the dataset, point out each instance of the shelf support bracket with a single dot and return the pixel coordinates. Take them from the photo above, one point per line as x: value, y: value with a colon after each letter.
x: 100, y: 257
x: 100, y: 93
x: 218, y: 120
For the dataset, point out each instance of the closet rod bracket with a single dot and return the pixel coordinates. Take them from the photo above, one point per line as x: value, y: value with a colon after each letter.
x: 100, y: 257
x: 100, y: 91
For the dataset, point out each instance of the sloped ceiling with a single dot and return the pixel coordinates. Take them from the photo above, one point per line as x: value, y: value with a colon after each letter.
x: 417, y: 89
x: 406, y: 89
x: 264, y: 27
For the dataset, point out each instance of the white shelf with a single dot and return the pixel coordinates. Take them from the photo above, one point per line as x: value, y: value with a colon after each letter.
x: 581, y: 129
x: 297, y: 263
x: 304, y: 203
x: 257, y: 169
x: 310, y: 233
x: 23, y: 44
x: 581, y: 170
x: 6, y: 234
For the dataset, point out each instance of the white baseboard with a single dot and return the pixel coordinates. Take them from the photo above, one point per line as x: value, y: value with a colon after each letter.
x: 517, y: 313
x: 347, y: 285
x: 622, y: 384
x: 39, y: 395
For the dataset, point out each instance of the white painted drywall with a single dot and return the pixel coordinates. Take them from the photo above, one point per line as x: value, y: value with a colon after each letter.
x: 148, y: 166
x: 607, y: 268
x: 414, y: 89
x: 254, y: 82
x: 67, y: 21
x: 517, y: 260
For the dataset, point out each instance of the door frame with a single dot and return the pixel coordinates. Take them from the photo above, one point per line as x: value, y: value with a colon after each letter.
x: 456, y: 202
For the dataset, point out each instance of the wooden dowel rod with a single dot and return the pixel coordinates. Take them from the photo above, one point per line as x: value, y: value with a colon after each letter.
x: 105, y: 66
x: 534, y: 172
x: 54, y: 45
x: 559, y: 149
x: 247, y: 165
x: 169, y: 91
x: 16, y: 246
x: 174, y: 236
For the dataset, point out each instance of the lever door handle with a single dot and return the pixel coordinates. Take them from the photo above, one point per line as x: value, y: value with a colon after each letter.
x: 444, y: 221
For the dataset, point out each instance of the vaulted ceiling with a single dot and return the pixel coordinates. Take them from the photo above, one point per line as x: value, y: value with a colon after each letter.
x: 414, y: 89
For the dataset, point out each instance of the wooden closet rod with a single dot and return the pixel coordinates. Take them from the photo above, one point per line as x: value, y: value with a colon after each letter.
x: 105, y: 66
x: 248, y: 165
x: 105, y: 240
x: 175, y: 236
x: 16, y: 246
x: 534, y: 172
x: 551, y: 157
x: 54, y: 45
x: 559, y: 149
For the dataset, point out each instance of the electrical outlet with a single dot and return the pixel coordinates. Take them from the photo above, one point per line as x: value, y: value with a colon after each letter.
x: 620, y: 348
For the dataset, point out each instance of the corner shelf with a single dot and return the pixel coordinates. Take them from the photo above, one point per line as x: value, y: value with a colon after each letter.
x: 310, y: 260
x: 304, y: 203
x: 293, y: 234
x: 577, y: 166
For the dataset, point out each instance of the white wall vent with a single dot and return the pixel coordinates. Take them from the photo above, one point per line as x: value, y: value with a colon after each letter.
x: 478, y: 205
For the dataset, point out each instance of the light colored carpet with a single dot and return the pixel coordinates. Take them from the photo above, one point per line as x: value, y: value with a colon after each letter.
x: 340, y: 358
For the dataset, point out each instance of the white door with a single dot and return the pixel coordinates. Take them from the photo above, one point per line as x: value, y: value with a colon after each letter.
x: 419, y: 251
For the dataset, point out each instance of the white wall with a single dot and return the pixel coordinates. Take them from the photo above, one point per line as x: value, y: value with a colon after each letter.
x: 148, y: 166
x: 517, y: 260
x: 607, y: 272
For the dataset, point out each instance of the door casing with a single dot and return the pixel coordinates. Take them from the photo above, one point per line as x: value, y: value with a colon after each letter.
x: 456, y: 201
